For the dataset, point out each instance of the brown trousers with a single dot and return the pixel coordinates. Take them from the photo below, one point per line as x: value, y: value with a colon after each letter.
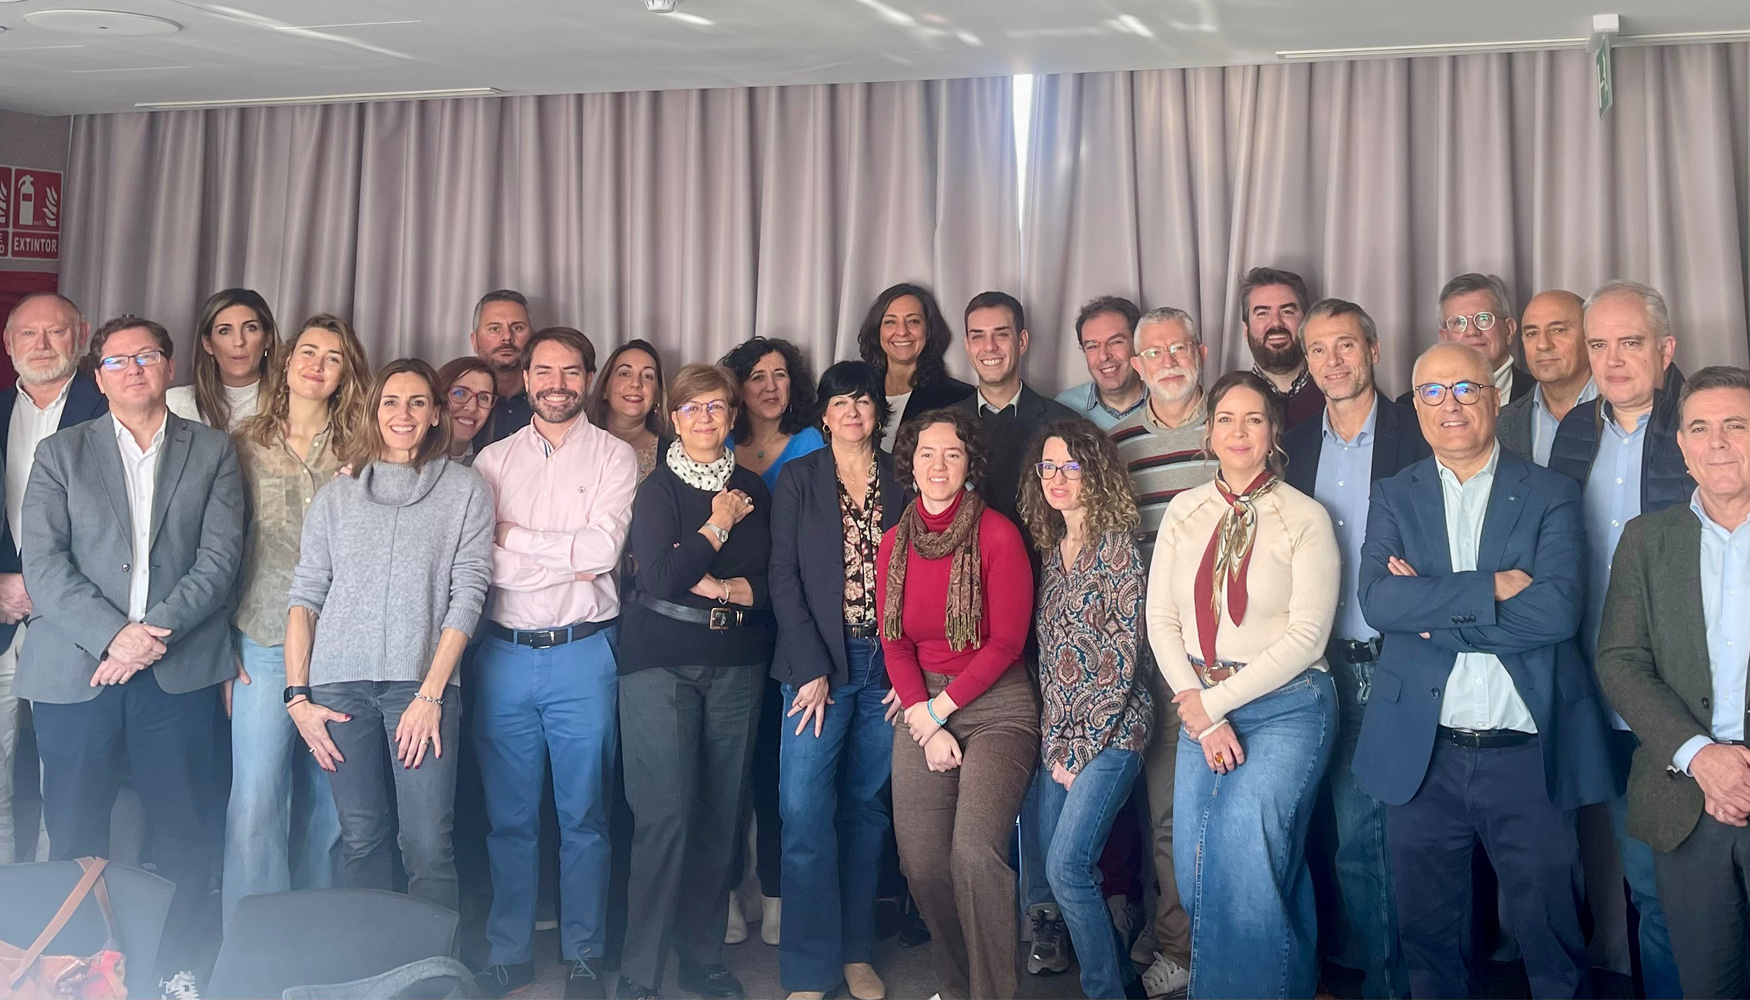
x: 954, y: 828
x: 1172, y: 926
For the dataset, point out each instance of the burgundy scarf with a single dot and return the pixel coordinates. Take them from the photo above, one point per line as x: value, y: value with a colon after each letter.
x: 1226, y: 561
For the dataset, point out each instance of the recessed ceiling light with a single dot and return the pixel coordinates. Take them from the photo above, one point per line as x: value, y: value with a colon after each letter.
x: 101, y: 22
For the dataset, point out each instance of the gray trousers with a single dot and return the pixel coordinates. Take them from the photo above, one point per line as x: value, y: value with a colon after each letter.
x: 686, y: 743
x: 1706, y: 895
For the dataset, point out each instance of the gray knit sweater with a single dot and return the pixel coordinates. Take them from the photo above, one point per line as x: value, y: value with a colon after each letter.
x: 389, y: 560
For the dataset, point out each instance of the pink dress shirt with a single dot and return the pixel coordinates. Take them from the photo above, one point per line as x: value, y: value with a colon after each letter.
x: 570, y: 505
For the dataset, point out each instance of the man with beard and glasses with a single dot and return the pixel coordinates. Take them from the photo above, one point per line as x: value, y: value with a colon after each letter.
x: 45, y: 335
x: 1555, y: 350
x: 1162, y: 448
x: 1272, y: 305
x: 1362, y: 437
x: 545, y: 673
x: 501, y: 328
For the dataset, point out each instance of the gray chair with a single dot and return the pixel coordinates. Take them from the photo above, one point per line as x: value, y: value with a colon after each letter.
x: 140, y: 899
x: 283, y: 940
x: 426, y: 979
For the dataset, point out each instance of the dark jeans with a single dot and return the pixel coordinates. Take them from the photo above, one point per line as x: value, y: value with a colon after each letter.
x: 829, y: 791
x: 1495, y: 796
x: 166, y: 741
x: 1705, y: 885
x: 686, y: 739
x: 372, y: 790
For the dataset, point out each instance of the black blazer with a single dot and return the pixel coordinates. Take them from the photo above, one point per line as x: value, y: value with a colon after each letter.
x: 1397, y: 445
x: 934, y: 394
x: 807, y: 576
x: 84, y: 402
x: 1003, y: 482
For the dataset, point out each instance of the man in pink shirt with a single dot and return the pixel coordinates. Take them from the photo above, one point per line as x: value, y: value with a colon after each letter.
x: 545, y: 676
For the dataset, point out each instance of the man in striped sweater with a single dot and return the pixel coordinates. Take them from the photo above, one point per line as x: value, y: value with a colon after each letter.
x: 1162, y: 446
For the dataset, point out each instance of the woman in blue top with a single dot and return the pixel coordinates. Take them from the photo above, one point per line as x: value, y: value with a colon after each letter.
x: 773, y: 425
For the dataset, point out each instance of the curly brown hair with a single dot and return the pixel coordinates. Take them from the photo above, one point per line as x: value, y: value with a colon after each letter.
x: 1107, y: 495
x: 971, y: 434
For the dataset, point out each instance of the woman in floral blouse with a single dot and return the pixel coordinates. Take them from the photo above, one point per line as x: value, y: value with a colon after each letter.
x: 1080, y: 513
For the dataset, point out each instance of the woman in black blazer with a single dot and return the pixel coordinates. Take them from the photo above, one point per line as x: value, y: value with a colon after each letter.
x: 831, y: 508
x: 906, y: 338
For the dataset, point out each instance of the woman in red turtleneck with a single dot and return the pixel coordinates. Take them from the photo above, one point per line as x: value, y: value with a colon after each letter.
x: 955, y: 594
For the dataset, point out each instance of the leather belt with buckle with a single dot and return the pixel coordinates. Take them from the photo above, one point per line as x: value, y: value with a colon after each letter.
x: 1212, y: 676
x: 547, y: 638
x: 863, y: 630
x: 721, y: 618
x: 1351, y: 651
x: 1485, y: 739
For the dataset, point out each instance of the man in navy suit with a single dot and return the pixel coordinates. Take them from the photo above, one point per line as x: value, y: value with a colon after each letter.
x: 1484, y: 723
x: 1358, y: 438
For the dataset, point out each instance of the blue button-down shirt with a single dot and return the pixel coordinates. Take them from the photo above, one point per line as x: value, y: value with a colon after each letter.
x: 1613, y: 498
x: 1725, y: 571
x: 1544, y: 423
x: 1085, y: 400
x: 1342, y: 485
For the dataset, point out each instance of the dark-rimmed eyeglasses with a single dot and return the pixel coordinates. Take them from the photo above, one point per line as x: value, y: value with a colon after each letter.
x: 461, y: 394
x: 121, y: 362
x: 1456, y: 325
x: 1070, y: 470
x: 1467, y: 392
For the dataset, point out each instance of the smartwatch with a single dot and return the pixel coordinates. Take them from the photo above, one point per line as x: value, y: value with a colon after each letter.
x: 293, y: 692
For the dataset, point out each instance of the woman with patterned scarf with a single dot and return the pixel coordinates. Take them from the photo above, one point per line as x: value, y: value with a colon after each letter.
x: 955, y: 594
x: 1241, y: 595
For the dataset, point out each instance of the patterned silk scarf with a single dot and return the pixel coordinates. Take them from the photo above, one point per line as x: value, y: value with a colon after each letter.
x: 1226, y: 560
x: 959, y: 542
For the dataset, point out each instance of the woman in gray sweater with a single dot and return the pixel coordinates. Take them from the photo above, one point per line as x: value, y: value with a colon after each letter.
x: 392, y: 575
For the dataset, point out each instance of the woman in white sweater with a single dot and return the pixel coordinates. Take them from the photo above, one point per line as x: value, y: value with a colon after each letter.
x: 1241, y: 596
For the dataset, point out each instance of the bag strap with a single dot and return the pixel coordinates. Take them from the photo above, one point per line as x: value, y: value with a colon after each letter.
x: 93, y: 872
x: 101, y: 890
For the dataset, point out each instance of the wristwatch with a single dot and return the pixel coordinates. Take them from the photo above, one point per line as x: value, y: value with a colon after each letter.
x: 722, y: 536
x: 293, y: 692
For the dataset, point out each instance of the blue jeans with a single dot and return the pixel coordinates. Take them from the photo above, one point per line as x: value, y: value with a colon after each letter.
x: 1035, y: 885
x: 280, y: 826
x: 1074, y: 823
x: 1369, y: 925
x: 1658, y: 963
x: 531, y: 704
x: 1241, y: 850
x: 829, y: 797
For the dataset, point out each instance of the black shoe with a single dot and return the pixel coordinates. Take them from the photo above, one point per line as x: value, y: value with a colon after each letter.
x: 497, y: 981
x: 583, y: 980
x: 629, y: 990
x: 715, y: 981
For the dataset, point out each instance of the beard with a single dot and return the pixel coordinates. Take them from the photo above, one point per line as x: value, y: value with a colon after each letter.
x: 558, y: 406
x: 1276, y: 360
x: 1175, y: 394
x: 36, y: 373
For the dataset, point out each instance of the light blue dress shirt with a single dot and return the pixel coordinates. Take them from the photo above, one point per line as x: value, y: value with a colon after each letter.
x: 1613, y: 498
x: 1343, y: 485
x: 1544, y: 423
x: 1725, y: 570
x: 1085, y: 400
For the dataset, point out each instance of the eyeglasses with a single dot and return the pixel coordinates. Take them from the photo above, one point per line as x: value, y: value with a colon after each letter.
x: 1070, y: 470
x: 1179, y: 352
x: 1433, y: 393
x: 120, y: 362
x: 1456, y: 325
x: 693, y: 411
x: 484, y: 400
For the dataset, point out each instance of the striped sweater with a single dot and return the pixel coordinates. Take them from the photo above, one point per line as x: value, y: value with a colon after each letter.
x: 1163, y: 462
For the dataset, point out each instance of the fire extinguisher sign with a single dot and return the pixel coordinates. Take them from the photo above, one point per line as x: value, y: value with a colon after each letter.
x: 30, y: 213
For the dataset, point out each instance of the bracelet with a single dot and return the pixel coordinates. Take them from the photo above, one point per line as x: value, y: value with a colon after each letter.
x: 428, y: 699
x: 930, y: 707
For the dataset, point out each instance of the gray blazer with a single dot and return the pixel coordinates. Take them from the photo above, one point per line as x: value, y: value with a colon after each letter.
x: 78, y: 552
x: 1513, y: 427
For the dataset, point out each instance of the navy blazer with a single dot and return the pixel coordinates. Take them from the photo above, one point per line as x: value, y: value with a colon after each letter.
x: 1533, y: 523
x: 1397, y: 443
x: 807, y: 575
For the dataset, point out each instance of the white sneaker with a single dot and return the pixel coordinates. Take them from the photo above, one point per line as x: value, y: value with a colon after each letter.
x: 179, y: 987
x: 771, y: 917
x: 1142, y: 950
x: 736, y: 933
x: 1166, y: 978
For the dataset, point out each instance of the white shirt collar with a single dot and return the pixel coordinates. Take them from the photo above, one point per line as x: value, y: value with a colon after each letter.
x: 60, y: 398
x: 1488, y: 469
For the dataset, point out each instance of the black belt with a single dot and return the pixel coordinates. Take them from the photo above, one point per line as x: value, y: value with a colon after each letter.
x: 1350, y: 651
x: 1485, y: 739
x: 867, y: 630
x: 547, y: 638
x: 721, y: 618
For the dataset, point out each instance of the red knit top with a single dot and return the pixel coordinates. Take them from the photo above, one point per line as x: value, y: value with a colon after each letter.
x: 923, y: 644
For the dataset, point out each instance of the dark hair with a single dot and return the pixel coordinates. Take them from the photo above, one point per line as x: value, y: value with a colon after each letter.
x: 853, y: 379
x: 966, y: 426
x: 127, y: 322
x: 210, y: 400
x: 574, y: 339
x: 1263, y: 277
x: 656, y: 421
x: 741, y: 360
x: 455, y: 368
x: 1336, y: 309
x: 1107, y: 493
x: 1713, y: 377
x: 436, y: 441
x: 1108, y: 304
x: 1276, y: 459
x: 998, y: 300
x: 932, y: 361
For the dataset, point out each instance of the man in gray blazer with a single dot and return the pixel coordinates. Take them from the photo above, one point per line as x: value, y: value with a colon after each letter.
x: 1671, y: 657
x: 133, y: 532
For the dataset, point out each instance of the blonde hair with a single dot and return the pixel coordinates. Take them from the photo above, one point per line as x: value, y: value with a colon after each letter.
x: 346, y: 407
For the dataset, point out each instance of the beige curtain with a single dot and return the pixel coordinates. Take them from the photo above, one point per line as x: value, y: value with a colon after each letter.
x: 1378, y: 180
x: 691, y: 218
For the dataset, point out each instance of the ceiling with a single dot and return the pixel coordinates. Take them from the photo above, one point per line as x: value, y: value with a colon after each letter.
x: 261, y: 49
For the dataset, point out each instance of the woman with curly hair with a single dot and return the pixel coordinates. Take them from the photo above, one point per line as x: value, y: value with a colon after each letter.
x: 905, y: 336
x: 954, y: 592
x: 775, y: 421
x: 1097, y: 711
